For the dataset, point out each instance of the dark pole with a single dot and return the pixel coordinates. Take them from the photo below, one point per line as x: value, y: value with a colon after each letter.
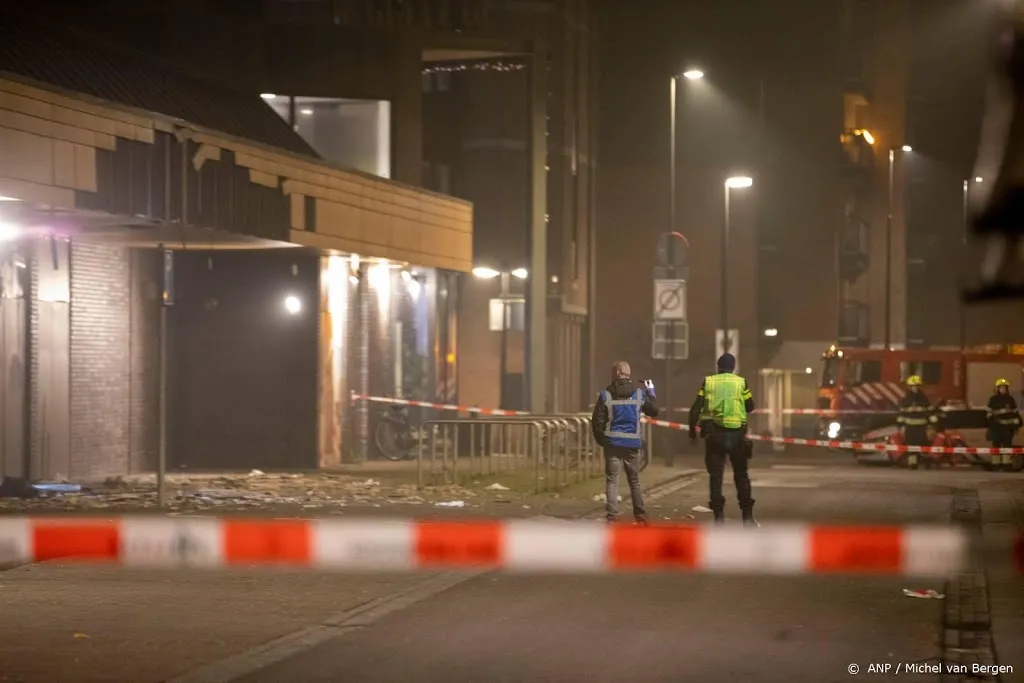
x: 724, y: 279
x: 671, y: 246
x: 888, y: 255
x: 960, y: 261
x: 502, y: 381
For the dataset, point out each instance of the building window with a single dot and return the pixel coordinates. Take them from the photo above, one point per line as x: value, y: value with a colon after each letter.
x: 443, y: 81
x: 507, y: 314
x: 929, y: 371
x: 351, y: 133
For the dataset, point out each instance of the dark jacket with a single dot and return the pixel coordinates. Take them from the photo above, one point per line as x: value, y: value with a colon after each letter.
x: 619, y: 389
x: 1002, y: 412
x: 916, y: 410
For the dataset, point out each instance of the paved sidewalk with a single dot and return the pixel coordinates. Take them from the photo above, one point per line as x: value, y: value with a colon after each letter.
x: 1002, y: 509
x: 95, y: 624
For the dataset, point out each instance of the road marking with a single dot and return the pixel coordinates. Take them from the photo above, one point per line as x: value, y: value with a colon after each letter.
x: 359, y: 617
x: 795, y: 467
x: 775, y: 484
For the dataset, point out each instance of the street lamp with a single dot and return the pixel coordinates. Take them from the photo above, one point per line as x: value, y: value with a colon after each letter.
x: 505, y: 297
x: 693, y: 74
x: 888, y: 244
x: 735, y: 182
x: 963, y: 243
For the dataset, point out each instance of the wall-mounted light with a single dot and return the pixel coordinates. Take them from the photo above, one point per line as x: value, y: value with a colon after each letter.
x: 485, y: 273
x: 268, y: 96
x: 521, y: 273
x: 293, y: 304
x: 771, y: 332
x: 868, y: 137
x: 306, y: 112
x: 809, y: 371
x: 8, y: 232
x: 353, y: 279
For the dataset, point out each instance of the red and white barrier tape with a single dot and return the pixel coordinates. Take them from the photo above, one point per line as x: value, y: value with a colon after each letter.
x: 857, y: 445
x: 518, y: 546
x: 439, y: 406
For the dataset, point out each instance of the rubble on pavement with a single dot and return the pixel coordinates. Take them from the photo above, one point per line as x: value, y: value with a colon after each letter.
x: 238, y: 491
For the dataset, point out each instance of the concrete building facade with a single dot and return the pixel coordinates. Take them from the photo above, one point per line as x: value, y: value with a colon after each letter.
x: 517, y: 141
x: 175, y: 260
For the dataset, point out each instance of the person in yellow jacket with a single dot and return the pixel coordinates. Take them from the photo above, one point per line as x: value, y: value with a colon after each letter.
x: 1003, y: 422
x: 721, y: 407
x: 916, y: 413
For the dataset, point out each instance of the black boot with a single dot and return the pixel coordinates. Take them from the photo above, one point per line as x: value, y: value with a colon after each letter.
x: 719, y: 515
x: 748, y: 515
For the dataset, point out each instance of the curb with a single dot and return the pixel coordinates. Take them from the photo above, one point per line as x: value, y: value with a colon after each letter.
x: 966, y: 620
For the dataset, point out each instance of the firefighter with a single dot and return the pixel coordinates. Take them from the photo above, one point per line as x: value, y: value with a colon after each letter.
x: 722, y: 405
x: 1003, y: 422
x: 916, y: 413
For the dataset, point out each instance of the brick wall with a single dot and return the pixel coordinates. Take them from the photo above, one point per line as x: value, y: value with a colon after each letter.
x: 114, y: 360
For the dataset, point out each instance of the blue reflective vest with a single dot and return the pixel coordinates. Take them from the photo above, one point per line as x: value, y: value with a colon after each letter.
x: 624, y: 415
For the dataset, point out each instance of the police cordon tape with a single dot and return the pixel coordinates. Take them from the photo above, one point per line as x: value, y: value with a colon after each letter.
x: 859, y: 445
x: 437, y: 406
x: 495, y: 411
x: 527, y: 546
x: 818, y: 443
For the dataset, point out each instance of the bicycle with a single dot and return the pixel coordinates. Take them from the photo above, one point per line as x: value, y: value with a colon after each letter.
x: 395, y: 436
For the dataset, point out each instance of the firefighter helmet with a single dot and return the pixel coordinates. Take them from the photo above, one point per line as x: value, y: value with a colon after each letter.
x: 914, y: 381
x: 1002, y: 383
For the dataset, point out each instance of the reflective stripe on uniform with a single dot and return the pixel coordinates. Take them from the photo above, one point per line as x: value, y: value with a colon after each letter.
x: 636, y: 400
x: 725, y: 395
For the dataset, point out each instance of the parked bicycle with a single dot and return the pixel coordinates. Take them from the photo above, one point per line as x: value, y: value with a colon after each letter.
x: 397, y: 438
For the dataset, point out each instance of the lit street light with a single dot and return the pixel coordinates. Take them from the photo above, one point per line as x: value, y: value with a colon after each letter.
x: 693, y: 74
x: 888, y: 245
x: 507, y: 299
x: 485, y: 273
x: 735, y: 182
x: 963, y: 243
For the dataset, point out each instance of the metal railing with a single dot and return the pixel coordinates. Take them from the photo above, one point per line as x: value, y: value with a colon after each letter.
x: 554, y: 449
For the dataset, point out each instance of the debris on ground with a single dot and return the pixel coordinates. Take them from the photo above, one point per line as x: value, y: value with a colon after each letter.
x: 923, y: 593
x: 497, y: 487
x: 451, y: 504
x: 600, y: 498
x: 225, y: 492
x: 700, y: 508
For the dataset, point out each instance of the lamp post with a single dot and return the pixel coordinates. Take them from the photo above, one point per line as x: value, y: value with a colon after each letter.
x: 735, y: 182
x: 691, y: 74
x: 965, y: 229
x: 507, y: 298
x: 888, y: 243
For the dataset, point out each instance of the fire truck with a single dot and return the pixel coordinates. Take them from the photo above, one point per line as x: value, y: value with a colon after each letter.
x: 861, y: 388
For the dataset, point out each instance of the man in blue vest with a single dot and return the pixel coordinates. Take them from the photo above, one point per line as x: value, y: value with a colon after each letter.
x: 721, y: 408
x: 617, y: 429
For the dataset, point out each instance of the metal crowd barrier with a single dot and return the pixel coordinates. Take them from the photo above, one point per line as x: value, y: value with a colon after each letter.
x: 554, y: 448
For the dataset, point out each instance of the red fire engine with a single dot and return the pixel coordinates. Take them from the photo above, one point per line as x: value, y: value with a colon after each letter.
x: 864, y: 386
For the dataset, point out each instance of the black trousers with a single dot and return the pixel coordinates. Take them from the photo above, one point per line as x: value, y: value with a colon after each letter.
x: 725, y: 446
x: 1002, y: 435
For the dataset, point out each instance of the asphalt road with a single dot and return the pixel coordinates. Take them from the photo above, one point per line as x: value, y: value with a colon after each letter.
x: 83, y: 625
x: 654, y: 629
